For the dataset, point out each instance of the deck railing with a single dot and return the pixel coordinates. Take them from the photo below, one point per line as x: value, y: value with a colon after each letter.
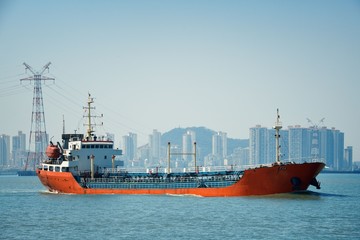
x: 175, y: 179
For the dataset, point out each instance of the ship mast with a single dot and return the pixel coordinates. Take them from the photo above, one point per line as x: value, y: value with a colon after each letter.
x: 90, y: 130
x: 88, y: 108
x: 277, y: 128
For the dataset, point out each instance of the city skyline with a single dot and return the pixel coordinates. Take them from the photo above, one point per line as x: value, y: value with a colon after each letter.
x: 298, y: 144
x: 158, y: 65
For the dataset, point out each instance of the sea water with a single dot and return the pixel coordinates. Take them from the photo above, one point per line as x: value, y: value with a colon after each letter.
x: 28, y: 211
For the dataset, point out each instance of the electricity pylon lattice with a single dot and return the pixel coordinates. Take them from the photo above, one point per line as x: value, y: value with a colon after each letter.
x: 38, y: 138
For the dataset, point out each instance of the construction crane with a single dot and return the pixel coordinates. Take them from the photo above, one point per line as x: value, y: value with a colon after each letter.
x: 315, y: 125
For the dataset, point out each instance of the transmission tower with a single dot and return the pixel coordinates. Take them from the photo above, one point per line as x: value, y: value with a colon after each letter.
x: 38, y: 137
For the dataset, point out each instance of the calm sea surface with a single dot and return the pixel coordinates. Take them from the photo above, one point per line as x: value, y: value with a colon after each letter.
x: 28, y: 211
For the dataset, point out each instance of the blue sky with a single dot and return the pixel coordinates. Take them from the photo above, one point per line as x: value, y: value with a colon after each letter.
x: 225, y: 65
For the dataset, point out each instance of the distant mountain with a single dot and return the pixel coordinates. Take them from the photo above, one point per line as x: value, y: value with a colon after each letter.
x: 203, y: 139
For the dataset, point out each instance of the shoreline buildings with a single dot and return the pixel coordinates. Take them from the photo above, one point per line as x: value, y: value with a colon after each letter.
x: 14, y: 155
x: 299, y: 144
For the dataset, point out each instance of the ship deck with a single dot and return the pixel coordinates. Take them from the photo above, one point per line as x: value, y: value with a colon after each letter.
x: 156, y: 181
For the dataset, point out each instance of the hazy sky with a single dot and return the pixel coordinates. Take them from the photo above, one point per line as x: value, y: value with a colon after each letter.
x: 225, y: 65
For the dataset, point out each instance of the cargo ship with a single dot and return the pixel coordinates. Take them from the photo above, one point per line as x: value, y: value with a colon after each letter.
x: 89, y: 165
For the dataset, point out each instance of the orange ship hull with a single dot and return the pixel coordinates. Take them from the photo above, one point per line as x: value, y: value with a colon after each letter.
x: 257, y: 181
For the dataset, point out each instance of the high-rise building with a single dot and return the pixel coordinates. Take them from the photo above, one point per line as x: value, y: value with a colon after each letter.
x: 224, y: 144
x: 19, y: 149
x: 188, y: 140
x: 262, y: 146
x: 129, y: 146
x: 216, y: 144
x: 155, y: 146
x: 143, y: 153
x: 4, y: 150
x: 176, y: 159
x: 348, y: 158
x: 258, y: 145
x: 331, y: 148
x: 299, y: 144
x: 219, y: 144
x: 240, y: 156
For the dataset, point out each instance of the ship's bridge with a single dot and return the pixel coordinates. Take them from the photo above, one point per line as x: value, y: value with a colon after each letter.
x: 102, y: 151
x: 84, y: 144
x: 97, y: 144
